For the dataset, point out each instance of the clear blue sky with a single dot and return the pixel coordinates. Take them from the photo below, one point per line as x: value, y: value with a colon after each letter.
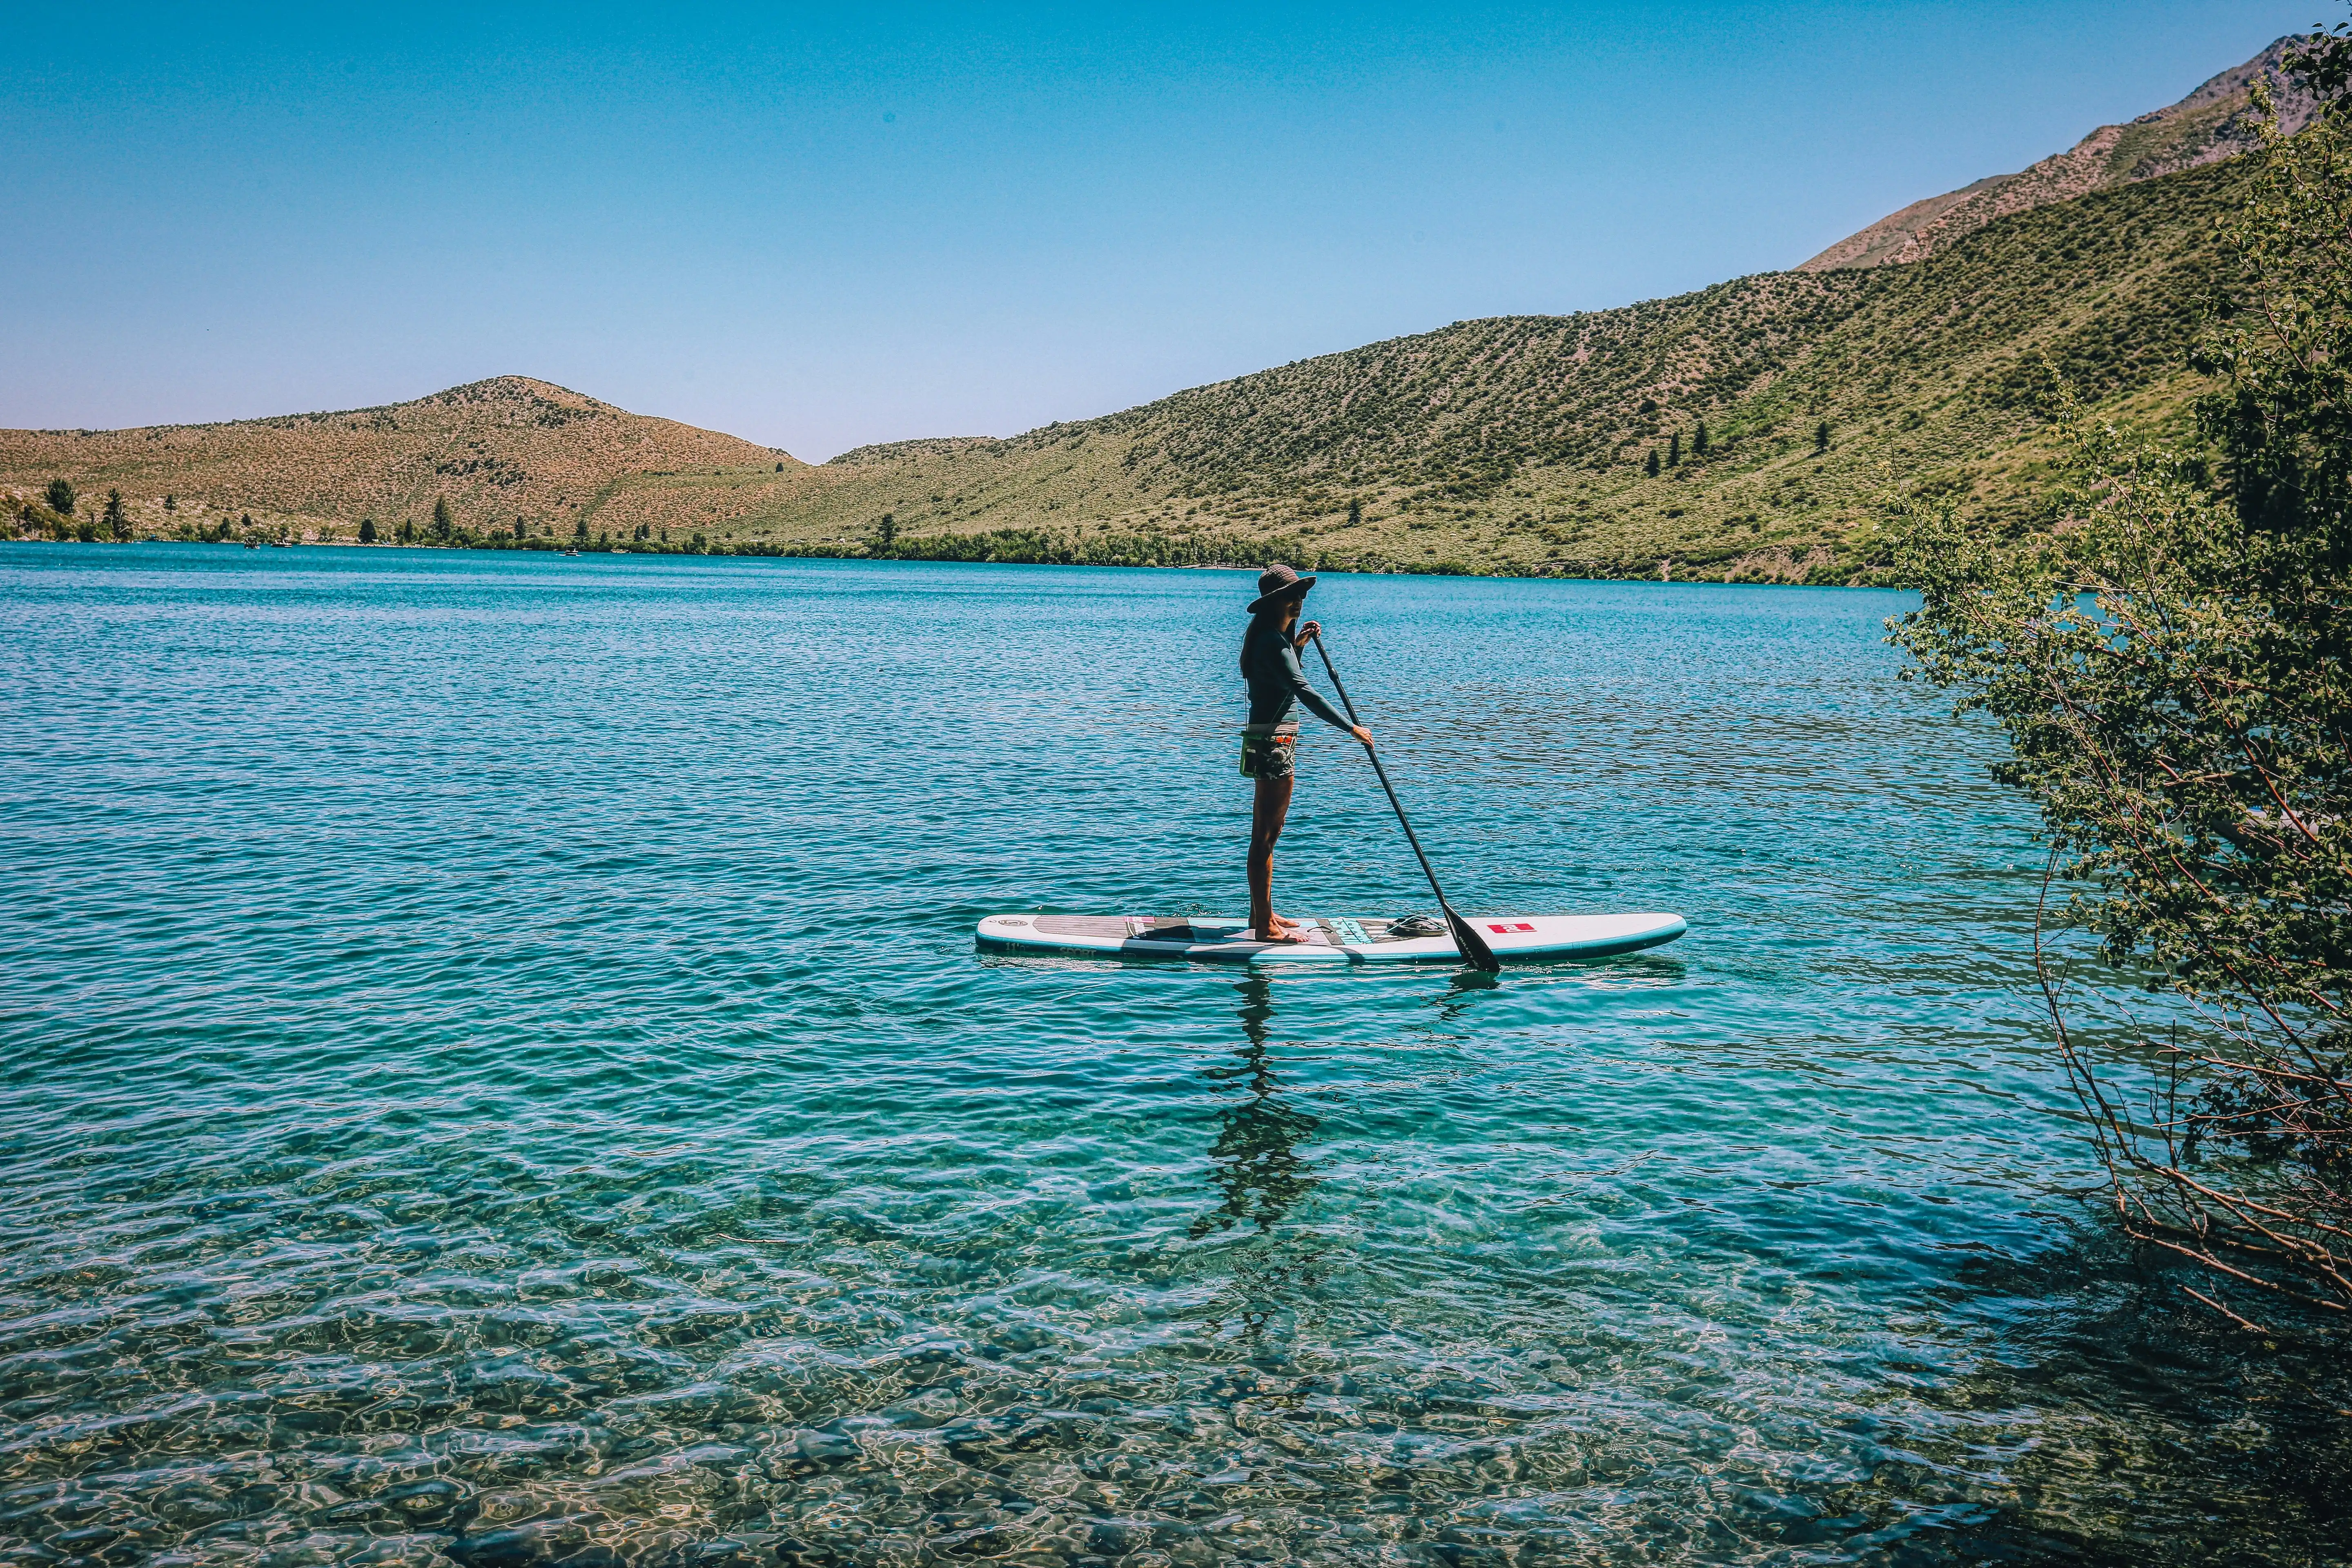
x: 818, y: 227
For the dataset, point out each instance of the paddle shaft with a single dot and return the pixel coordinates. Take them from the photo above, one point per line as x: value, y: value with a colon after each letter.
x: 1474, y: 947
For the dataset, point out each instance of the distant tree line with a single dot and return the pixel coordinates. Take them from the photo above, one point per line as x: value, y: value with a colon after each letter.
x: 886, y: 541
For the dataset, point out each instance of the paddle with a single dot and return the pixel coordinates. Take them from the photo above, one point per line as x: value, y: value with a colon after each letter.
x: 1474, y: 946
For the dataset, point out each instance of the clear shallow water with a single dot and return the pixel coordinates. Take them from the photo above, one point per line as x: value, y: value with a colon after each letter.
x: 496, y: 1068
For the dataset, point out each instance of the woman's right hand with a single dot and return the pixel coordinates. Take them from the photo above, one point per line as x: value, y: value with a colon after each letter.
x: 1362, y: 734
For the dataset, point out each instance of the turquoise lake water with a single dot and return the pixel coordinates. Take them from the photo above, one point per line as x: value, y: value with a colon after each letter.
x: 496, y: 1068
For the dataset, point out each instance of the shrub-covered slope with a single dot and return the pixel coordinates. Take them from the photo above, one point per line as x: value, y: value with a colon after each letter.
x: 1522, y: 444
x: 1779, y: 410
x: 496, y: 451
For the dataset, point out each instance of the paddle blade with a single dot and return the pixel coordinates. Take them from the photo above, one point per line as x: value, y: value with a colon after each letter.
x: 1473, y: 948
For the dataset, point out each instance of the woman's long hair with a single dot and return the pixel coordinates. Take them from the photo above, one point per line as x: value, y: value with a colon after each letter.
x: 1276, y: 613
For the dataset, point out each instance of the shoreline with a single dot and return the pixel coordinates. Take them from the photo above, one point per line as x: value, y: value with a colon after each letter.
x: 1307, y: 560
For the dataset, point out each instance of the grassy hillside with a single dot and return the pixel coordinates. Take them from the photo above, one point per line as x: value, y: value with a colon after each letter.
x: 498, y: 452
x: 1521, y: 444
x: 1517, y: 445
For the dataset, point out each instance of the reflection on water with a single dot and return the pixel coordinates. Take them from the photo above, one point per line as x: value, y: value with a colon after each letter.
x: 1463, y: 988
x: 493, y: 1070
x: 1256, y: 1161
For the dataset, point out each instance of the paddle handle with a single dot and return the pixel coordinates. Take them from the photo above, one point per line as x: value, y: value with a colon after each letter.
x: 1410, y: 837
x: 1474, y: 947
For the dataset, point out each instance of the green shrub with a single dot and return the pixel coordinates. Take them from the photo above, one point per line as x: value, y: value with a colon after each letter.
x: 2171, y: 674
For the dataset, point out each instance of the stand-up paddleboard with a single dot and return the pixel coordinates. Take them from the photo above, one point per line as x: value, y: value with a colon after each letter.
x: 1341, y: 941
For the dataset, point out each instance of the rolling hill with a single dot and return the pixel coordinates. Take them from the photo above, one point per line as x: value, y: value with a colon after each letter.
x: 1747, y: 431
x: 1521, y: 444
x: 498, y: 451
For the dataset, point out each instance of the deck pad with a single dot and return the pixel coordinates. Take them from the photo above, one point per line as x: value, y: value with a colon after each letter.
x: 1342, y: 939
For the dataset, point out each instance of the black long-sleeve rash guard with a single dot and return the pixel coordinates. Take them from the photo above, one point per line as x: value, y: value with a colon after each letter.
x: 1270, y: 663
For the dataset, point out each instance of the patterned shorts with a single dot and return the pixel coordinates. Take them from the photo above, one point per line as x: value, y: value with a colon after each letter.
x: 1270, y: 754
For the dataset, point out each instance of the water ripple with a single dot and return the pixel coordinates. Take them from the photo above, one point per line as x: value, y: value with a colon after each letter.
x: 496, y: 1070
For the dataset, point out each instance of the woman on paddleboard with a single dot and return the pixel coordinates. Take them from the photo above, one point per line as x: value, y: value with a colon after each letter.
x: 1270, y: 740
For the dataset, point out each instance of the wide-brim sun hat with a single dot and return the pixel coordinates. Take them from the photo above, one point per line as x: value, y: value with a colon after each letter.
x: 1276, y: 583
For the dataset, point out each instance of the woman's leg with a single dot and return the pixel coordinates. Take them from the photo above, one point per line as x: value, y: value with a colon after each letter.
x: 1272, y: 805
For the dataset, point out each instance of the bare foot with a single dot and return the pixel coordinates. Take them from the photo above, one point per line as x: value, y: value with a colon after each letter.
x: 1281, y: 931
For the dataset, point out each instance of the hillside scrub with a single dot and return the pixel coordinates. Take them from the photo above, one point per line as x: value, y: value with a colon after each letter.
x: 1540, y: 445
x: 492, y: 449
x: 2169, y: 666
x: 1517, y: 445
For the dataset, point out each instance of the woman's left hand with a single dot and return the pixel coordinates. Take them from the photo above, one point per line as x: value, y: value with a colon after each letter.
x: 1308, y: 632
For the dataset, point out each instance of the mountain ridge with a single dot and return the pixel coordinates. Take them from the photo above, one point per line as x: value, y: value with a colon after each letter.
x: 1511, y: 444
x: 1747, y: 431
x: 1520, y: 444
x: 2216, y: 121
